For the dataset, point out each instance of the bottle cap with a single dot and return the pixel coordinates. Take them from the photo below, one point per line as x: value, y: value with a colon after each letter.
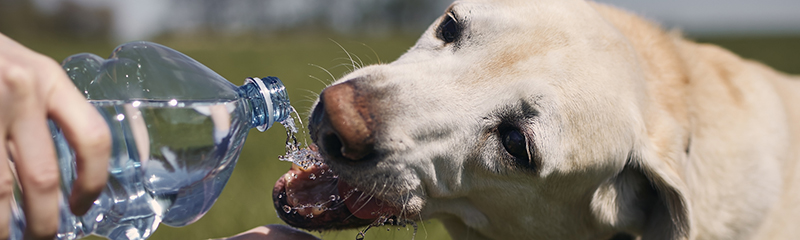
x: 265, y: 93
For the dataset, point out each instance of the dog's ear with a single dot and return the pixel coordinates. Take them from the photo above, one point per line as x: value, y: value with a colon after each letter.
x: 646, y: 198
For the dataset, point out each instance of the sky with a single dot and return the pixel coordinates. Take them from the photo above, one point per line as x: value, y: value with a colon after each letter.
x: 142, y: 19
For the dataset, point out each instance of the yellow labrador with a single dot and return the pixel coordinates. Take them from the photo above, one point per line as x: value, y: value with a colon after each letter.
x: 556, y: 119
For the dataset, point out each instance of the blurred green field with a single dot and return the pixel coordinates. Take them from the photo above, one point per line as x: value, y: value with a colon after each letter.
x: 307, y: 63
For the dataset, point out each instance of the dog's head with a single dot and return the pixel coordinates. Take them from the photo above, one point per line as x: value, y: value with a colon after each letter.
x: 507, y: 119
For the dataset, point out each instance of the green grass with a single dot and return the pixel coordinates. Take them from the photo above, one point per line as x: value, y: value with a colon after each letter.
x: 303, y: 61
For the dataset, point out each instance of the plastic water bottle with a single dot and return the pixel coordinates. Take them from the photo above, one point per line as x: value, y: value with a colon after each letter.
x: 177, y: 128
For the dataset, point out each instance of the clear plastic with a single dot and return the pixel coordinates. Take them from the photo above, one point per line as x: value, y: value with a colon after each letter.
x: 177, y: 128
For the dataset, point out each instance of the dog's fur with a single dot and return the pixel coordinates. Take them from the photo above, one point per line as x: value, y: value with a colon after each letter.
x: 629, y: 129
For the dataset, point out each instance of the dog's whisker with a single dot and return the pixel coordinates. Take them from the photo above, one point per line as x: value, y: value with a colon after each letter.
x: 347, y: 66
x: 348, y: 62
x: 365, y: 202
x: 308, y: 99
x: 371, y: 192
x: 346, y: 52
x: 373, y: 52
x: 424, y: 229
x: 313, y: 93
x: 403, y: 206
x: 360, y: 63
x: 344, y: 198
x: 333, y: 78
x: 360, y: 197
x: 318, y: 80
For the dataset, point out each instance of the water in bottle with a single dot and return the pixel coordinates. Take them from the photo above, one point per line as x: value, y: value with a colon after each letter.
x: 177, y: 130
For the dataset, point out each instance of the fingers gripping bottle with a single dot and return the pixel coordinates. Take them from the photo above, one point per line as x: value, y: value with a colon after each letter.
x: 177, y: 128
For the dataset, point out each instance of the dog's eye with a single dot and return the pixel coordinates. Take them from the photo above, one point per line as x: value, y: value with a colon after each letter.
x: 449, y: 30
x: 515, y: 144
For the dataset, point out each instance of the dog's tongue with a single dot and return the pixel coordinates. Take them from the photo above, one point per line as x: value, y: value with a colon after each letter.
x: 311, y: 196
x: 362, y: 205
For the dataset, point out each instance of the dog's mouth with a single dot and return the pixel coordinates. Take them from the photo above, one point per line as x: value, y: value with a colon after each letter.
x: 311, y: 196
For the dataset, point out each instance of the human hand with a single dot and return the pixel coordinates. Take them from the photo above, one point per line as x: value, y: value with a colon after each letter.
x: 34, y: 88
x: 273, y: 232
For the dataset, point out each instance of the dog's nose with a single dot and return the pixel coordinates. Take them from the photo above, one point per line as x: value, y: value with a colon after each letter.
x: 346, y: 110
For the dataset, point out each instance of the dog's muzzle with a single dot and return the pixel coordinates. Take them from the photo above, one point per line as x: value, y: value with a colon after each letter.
x: 313, y: 196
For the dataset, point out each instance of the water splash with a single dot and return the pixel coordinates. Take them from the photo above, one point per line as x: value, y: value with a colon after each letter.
x: 391, y: 221
x: 295, y: 152
x: 287, y: 208
x: 292, y: 144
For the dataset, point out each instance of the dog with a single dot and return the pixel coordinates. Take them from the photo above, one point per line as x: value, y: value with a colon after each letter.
x: 556, y: 119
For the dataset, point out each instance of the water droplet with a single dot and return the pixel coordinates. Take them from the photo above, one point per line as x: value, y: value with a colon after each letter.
x: 334, y: 197
x: 310, y: 215
x: 413, y: 224
x: 287, y: 208
x: 312, y: 176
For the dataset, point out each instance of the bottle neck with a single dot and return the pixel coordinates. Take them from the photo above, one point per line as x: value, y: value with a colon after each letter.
x: 268, y: 100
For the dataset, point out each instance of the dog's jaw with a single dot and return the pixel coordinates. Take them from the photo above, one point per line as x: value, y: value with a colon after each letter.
x: 314, y: 197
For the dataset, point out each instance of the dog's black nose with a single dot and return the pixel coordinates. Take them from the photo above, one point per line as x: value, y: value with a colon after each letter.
x: 344, y: 125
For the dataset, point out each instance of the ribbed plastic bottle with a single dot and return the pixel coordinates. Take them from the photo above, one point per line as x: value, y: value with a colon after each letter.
x: 177, y: 128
